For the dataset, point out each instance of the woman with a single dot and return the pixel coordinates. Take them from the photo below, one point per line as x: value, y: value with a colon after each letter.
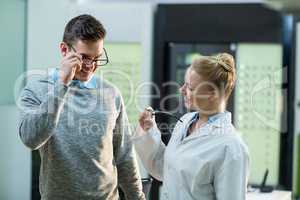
x: 205, y: 158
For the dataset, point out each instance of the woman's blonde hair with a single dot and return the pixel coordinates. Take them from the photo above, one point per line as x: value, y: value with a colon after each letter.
x: 218, y: 70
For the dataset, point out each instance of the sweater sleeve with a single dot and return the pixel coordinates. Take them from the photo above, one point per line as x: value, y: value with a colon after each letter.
x: 39, y: 116
x: 128, y: 173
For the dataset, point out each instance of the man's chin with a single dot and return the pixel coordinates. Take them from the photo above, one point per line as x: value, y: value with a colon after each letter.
x: 83, y: 78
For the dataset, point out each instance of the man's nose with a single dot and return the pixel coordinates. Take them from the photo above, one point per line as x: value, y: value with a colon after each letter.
x: 88, y: 65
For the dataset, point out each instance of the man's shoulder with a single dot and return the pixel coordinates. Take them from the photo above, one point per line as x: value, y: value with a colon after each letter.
x: 38, y: 82
x: 39, y: 79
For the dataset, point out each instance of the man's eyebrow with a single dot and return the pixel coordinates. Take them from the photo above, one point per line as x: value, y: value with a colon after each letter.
x: 98, y: 56
x: 87, y: 56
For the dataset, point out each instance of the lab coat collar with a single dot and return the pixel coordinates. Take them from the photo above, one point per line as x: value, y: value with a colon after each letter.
x: 220, y: 121
x: 216, y: 120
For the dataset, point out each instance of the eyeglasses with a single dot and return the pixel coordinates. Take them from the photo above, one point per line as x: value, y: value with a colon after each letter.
x: 103, y: 60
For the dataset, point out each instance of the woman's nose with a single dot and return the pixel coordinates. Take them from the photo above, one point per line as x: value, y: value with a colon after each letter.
x: 181, y: 90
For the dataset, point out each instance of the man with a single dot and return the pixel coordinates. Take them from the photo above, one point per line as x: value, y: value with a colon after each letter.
x: 79, y: 124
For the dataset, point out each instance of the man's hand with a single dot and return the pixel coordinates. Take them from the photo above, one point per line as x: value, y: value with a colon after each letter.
x: 70, y: 64
x: 146, y: 119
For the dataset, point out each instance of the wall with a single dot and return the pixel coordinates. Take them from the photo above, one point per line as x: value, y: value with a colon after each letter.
x: 15, y: 158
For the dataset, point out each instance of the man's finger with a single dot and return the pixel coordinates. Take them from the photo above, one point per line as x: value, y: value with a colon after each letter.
x: 76, y: 64
x: 75, y: 59
x: 73, y: 55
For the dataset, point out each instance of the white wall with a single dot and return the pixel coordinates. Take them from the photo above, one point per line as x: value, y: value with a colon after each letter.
x: 15, y: 158
x: 46, y: 21
x: 15, y: 169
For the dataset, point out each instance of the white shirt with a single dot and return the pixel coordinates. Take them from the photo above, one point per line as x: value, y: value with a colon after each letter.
x: 210, y: 164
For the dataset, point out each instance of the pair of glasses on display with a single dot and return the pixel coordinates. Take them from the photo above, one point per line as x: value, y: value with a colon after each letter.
x: 158, y: 112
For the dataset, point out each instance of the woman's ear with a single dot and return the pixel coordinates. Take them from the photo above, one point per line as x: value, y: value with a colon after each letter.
x: 215, y: 95
x: 63, y: 48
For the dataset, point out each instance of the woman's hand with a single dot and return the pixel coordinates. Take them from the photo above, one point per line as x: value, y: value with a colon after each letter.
x: 146, y: 119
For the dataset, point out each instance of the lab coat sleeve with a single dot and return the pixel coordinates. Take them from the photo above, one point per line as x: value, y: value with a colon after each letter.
x: 230, y: 180
x: 151, y: 150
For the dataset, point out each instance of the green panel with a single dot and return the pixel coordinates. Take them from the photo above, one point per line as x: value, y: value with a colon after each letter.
x: 124, y: 71
x: 12, y: 40
x: 258, y: 106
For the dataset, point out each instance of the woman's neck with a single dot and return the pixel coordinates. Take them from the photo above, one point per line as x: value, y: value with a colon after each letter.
x: 203, y: 119
x: 205, y: 116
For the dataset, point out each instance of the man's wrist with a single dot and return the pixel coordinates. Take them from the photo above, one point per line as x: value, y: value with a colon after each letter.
x: 62, y: 80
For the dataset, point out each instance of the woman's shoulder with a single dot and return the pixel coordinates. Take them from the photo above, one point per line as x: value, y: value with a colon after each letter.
x: 234, y: 144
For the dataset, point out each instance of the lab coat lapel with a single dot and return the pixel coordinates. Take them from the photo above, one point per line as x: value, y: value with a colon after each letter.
x: 217, y: 125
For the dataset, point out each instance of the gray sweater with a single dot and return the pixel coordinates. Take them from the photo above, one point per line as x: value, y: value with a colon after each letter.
x: 83, y: 137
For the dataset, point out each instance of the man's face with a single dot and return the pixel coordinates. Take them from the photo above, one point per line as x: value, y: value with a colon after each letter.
x: 90, y: 51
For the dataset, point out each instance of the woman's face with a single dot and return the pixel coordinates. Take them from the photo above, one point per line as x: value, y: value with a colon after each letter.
x: 197, y: 92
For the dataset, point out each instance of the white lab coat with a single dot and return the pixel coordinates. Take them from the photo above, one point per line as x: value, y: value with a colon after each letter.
x: 210, y: 164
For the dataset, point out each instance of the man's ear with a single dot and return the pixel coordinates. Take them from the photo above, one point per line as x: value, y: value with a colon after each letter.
x: 63, y: 48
